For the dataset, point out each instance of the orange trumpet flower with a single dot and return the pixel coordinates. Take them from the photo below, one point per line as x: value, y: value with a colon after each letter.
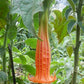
x: 43, y: 55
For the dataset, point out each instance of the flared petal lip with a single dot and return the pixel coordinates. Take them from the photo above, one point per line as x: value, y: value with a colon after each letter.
x: 36, y: 80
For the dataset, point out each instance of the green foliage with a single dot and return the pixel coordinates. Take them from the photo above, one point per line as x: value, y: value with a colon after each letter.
x: 23, y: 59
x: 17, y: 60
x: 67, y: 12
x: 12, y: 32
x: 27, y: 9
x: 15, y: 49
x: 31, y: 42
x: 60, y: 25
x: 71, y: 25
x: 31, y: 54
x: 72, y: 4
x: 24, y: 43
x: 36, y: 21
x: 81, y: 24
x: 29, y: 69
x: 69, y: 50
x: 64, y: 10
x: 3, y: 12
x: 82, y: 11
x: 75, y: 1
x: 3, y: 76
x: 19, y: 81
x: 2, y: 51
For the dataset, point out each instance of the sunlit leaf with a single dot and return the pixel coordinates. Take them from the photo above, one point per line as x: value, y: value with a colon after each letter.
x: 82, y: 12
x: 17, y: 60
x: 15, y: 49
x: 70, y: 50
x: 23, y: 59
x: 82, y: 80
x: 31, y: 42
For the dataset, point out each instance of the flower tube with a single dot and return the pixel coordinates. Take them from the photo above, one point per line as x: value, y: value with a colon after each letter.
x: 43, y: 54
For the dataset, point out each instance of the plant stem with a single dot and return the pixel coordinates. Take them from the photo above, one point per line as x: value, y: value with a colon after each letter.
x: 4, y: 56
x: 12, y: 65
x: 76, y: 49
x: 9, y: 66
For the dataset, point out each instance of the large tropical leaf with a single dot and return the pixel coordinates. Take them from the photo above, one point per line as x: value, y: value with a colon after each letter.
x: 27, y: 9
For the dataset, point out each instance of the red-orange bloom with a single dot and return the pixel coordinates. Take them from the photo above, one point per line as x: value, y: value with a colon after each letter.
x: 43, y: 56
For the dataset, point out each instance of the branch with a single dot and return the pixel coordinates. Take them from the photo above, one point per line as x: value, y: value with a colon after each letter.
x: 78, y: 42
x: 12, y: 65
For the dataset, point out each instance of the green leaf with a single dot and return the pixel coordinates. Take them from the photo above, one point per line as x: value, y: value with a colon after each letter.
x: 23, y: 59
x: 30, y: 69
x: 54, y: 82
x: 31, y: 42
x: 27, y: 9
x: 17, y: 60
x: 2, y: 50
x: 4, y: 8
x: 19, y: 81
x: 12, y: 32
x: 82, y: 12
x: 31, y: 54
x: 15, y: 49
x: 60, y: 25
x: 64, y: 10
x: 3, y: 76
x: 53, y: 68
x: 75, y: 1
x: 70, y: 50
x: 72, y: 4
x: 81, y: 24
x: 82, y: 80
x: 2, y: 23
x: 59, y: 70
x: 67, y: 12
x: 58, y: 15
x: 36, y: 21
x: 71, y: 25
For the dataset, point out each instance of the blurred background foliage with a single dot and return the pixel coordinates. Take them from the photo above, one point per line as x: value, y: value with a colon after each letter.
x: 62, y: 26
